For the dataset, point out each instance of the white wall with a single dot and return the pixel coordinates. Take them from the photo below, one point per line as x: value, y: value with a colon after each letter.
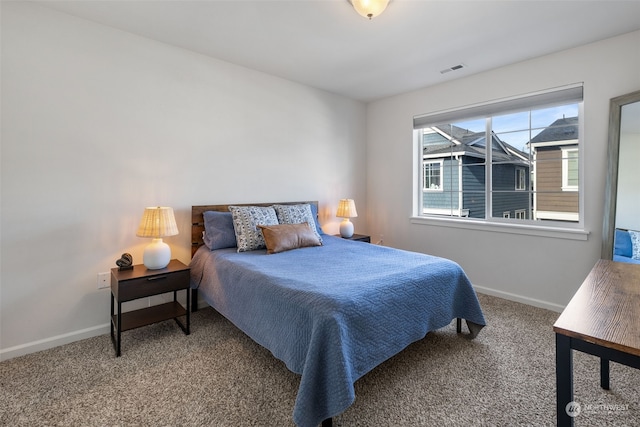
x: 539, y: 270
x: 98, y: 123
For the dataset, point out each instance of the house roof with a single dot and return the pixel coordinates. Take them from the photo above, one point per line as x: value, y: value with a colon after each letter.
x: 562, y: 129
x: 458, y: 141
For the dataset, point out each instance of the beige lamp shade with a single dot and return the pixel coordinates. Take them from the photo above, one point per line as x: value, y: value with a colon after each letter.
x: 346, y: 210
x: 157, y: 222
x: 369, y: 8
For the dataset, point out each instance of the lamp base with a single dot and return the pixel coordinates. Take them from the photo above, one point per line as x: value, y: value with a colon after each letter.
x: 156, y: 255
x: 346, y: 228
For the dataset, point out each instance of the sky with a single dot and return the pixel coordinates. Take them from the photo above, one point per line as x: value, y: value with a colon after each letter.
x: 517, y: 129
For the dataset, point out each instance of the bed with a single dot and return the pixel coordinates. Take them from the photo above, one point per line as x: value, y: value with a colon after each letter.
x: 331, y: 312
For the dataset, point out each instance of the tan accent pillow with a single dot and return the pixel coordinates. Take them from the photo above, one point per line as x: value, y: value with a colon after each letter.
x: 284, y: 237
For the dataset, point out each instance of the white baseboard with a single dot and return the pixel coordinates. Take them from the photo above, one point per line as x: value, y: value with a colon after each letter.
x: 518, y: 298
x: 47, y: 343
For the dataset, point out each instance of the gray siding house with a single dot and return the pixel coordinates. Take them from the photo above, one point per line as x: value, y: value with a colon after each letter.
x: 454, y: 175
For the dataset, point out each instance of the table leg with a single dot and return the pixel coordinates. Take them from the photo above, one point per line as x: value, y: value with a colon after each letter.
x: 194, y: 300
x: 188, y: 311
x: 604, y: 373
x: 119, y: 329
x: 113, y: 337
x: 564, y: 379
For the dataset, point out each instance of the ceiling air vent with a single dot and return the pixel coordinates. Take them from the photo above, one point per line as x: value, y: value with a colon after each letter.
x: 454, y: 68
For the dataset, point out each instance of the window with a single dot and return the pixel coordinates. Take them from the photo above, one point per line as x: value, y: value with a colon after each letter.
x: 431, y: 174
x: 516, y: 155
x: 570, y: 169
x: 520, y: 179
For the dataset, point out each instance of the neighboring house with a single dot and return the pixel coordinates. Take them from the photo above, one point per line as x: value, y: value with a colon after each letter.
x: 454, y: 175
x: 555, y: 171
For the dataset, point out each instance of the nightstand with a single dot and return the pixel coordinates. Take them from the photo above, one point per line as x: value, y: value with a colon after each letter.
x: 358, y: 238
x: 140, y: 282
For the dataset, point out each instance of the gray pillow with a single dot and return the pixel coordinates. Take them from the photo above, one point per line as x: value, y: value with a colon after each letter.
x: 314, y: 212
x: 218, y: 230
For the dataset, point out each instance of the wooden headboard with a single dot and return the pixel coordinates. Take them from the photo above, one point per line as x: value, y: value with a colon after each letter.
x: 197, y: 219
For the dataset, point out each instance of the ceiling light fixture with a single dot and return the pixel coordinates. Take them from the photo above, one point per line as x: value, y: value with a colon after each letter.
x: 369, y: 8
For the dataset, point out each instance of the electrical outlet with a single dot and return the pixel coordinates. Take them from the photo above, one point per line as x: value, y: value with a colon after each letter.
x: 103, y: 280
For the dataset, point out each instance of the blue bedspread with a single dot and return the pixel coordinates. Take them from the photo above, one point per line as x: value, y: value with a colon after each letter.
x: 334, y: 312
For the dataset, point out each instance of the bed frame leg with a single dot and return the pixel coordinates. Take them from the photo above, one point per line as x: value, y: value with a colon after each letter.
x: 328, y: 422
x: 194, y: 300
x: 458, y: 324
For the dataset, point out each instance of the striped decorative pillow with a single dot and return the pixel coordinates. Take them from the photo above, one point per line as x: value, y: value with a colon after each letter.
x: 245, y: 224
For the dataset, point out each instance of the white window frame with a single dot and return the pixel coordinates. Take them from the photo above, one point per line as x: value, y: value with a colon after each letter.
x: 521, y: 178
x: 431, y: 162
x: 552, y: 229
x: 565, y: 169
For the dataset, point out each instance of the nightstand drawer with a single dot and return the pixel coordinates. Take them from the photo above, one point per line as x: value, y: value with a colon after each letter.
x: 151, y: 285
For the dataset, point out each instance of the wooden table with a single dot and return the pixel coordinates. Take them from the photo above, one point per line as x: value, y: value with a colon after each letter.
x: 602, y: 319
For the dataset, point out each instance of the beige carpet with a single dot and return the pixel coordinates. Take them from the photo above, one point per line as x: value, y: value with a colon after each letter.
x: 219, y: 377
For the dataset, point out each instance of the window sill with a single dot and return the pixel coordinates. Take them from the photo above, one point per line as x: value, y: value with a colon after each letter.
x: 524, y: 229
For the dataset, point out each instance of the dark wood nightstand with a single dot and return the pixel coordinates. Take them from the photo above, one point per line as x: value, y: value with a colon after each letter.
x: 140, y: 282
x: 358, y: 238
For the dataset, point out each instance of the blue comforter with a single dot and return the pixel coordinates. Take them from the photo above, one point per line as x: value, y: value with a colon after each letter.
x: 332, y: 313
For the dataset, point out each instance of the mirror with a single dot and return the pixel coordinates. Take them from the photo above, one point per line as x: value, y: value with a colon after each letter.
x: 622, y: 191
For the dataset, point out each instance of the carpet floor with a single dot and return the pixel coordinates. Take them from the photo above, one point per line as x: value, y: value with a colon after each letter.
x: 217, y: 376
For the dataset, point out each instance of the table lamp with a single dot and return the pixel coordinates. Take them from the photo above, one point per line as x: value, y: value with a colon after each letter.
x: 157, y: 222
x: 346, y: 210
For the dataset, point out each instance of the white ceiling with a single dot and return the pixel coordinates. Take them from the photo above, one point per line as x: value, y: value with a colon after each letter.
x: 327, y: 45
